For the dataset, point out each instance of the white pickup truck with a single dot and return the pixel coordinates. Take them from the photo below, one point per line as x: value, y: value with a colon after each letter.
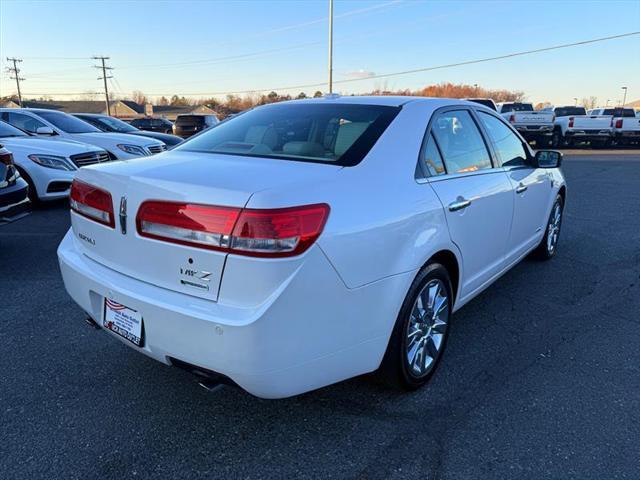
x: 625, y: 124
x: 572, y: 125
x: 532, y: 125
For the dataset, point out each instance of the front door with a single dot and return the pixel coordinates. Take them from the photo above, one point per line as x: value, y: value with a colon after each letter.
x: 477, y: 198
x: 531, y: 187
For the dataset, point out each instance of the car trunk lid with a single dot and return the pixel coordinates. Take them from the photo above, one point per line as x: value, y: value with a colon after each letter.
x: 195, y: 178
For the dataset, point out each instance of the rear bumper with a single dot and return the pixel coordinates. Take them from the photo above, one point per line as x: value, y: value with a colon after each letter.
x: 530, y: 132
x: 14, y: 203
x: 589, y: 134
x: 312, y: 332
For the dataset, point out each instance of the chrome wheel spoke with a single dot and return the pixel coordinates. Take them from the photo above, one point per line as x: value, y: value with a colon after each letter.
x: 426, y: 327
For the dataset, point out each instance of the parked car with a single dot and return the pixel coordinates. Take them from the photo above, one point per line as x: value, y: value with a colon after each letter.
x: 48, y: 167
x: 58, y: 125
x: 188, y: 125
x: 306, y: 242
x: 115, y: 125
x: 533, y: 126
x: 572, y: 124
x: 625, y: 124
x: 487, y: 102
x: 149, y: 124
x: 14, y: 191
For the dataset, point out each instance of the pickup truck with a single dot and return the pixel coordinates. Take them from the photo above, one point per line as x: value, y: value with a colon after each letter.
x: 572, y: 124
x: 625, y: 124
x: 532, y: 125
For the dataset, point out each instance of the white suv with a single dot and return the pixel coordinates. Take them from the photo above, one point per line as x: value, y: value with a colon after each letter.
x: 55, y: 125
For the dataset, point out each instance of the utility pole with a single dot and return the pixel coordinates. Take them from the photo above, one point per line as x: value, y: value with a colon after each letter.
x: 16, y: 76
x: 104, y: 77
x: 330, y: 46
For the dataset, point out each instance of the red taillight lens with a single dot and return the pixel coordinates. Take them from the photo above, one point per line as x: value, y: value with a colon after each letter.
x: 188, y: 224
x: 512, y: 118
x: 278, y: 232
x: 619, y: 123
x: 92, y: 202
x: 571, y: 122
x: 263, y: 233
x: 6, y: 158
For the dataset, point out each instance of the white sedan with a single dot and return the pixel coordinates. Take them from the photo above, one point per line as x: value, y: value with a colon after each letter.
x: 307, y: 242
x: 48, y: 167
x: 55, y: 125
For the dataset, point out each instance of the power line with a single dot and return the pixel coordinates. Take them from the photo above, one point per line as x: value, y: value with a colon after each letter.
x: 104, y: 77
x: 15, y: 71
x: 393, y: 74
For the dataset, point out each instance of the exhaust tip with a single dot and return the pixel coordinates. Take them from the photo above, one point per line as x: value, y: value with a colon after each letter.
x: 210, y: 385
x: 92, y: 323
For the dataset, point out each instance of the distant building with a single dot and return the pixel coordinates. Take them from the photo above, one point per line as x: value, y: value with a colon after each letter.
x: 124, y: 109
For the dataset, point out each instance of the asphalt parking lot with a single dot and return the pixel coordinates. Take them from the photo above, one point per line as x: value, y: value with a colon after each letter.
x: 541, y: 378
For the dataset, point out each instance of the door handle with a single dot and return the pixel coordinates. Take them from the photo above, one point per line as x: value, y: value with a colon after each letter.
x: 459, y: 204
x: 521, y: 188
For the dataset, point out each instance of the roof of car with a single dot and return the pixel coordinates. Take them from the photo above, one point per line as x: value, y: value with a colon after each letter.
x: 383, y: 100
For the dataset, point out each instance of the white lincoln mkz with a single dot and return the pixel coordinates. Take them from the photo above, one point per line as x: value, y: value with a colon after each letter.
x: 303, y: 243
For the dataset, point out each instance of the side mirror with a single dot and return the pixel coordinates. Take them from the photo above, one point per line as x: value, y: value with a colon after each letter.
x: 45, y: 131
x: 548, y: 159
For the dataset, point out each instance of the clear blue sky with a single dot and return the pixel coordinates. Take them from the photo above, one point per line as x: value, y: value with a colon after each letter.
x: 196, y: 48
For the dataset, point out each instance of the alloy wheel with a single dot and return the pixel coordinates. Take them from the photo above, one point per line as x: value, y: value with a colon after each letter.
x: 427, y: 328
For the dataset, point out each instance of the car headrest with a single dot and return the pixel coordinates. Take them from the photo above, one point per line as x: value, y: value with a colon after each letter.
x: 348, y: 133
x: 262, y: 134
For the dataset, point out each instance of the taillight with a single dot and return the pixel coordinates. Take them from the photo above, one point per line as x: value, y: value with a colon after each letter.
x: 278, y: 232
x: 619, y: 123
x: 571, y: 122
x: 92, y: 202
x: 512, y: 118
x: 255, y: 232
x: 6, y: 158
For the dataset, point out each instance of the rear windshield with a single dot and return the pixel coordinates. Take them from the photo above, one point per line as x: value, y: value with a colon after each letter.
x: 517, y: 107
x: 190, y: 120
x: 619, y: 112
x: 339, y: 134
x: 566, y: 111
x: 67, y: 123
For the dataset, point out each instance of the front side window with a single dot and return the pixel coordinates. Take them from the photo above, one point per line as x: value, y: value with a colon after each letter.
x: 508, y: 146
x: 23, y: 122
x: 460, y: 142
x: 339, y: 133
x: 67, y: 123
x: 430, y: 157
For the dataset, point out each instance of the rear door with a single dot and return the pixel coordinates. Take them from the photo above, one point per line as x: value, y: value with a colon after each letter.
x: 531, y: 186
x: 477, y: 197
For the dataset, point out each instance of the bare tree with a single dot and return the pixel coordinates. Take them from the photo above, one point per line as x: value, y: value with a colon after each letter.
x: 589, y: 103
x: 139, y: 97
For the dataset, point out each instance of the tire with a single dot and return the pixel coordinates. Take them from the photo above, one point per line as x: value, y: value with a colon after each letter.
x: 547, y: 249
x: 556, y: 140
x: 430, y: 331
x: 33, y: 193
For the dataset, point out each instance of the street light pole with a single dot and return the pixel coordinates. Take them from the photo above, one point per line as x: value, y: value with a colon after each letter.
x: 575, y: 104
x: 624, y: 100
x: 330, y: 46
x: 607, y: 104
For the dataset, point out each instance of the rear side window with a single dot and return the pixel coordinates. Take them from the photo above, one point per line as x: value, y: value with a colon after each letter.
x: 337, y: 133
x: 509, y: 147
x: 430, y: 157
x: 460, y: 142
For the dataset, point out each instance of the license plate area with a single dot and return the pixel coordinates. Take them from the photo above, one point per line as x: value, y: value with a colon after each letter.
x: 123, y: 321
